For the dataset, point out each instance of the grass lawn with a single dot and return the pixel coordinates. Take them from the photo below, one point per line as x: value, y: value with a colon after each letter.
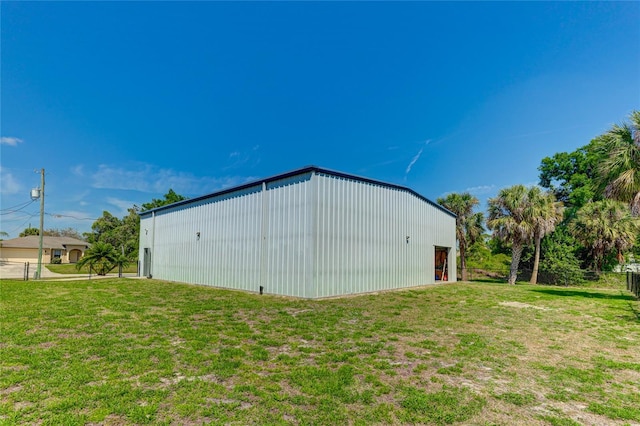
x: 120, y: 351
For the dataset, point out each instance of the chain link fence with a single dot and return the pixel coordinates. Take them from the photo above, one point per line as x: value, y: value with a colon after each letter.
x: 27, y: 270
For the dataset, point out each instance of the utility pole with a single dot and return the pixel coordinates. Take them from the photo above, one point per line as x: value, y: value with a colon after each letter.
x: 39, y: 270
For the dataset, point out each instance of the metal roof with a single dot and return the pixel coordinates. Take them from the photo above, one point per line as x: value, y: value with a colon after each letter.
x: 33, y: 241
x: 303, y: 170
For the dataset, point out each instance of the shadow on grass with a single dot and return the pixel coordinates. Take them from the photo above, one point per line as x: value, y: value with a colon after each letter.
x: 585, y: 294
x: 635, y: 311
x: 489, y: 280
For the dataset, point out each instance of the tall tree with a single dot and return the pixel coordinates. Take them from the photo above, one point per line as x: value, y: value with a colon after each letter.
x: 130, y: 232
x: 511, y: 220
x: 29, y: 231
x: 169, y: 198
x: 571, y: 175
x: 468, y: 224
x: 620, y: 171
x: 604, y: 226
x: 545, y: 213
x: 66, y: 232
x: 105, y: 229
x: 122, y: 234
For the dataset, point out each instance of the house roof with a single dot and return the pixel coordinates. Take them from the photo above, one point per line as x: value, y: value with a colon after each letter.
x: 307, y: 169
x: 33, y: 241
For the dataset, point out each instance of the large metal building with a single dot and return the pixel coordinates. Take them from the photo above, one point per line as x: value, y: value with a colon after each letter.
x: 309, y: 233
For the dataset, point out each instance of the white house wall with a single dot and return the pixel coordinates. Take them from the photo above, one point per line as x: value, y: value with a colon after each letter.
x: 307, y: 235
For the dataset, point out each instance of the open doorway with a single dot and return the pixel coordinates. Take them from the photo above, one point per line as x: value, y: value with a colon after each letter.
x: 441, y: 264
x: 146, y: 263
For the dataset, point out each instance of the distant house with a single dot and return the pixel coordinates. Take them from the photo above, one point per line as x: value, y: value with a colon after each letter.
x: 25, y: 249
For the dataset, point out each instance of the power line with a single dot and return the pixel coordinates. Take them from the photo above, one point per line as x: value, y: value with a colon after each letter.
x: 56, y: 215
x: 23, y: 223
x: 22, y: 206
x: 18, y: 216
x: 13, y: 212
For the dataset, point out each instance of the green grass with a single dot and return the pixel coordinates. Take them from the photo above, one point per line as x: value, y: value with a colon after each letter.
x: 70, y: 268
x: 119, y: 351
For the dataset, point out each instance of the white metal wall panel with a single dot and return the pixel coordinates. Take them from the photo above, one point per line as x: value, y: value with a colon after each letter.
x: 225, y: 254
x: 288, y: 231
x: 361, y: 237
x: 309, y: 235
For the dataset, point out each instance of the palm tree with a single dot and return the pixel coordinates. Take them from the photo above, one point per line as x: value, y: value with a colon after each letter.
x: 101, y: 257
x: 603, y: 226
x: 620, y: 172
x: 546, y: 212
x: 511, y: 221
x: 468, y: 224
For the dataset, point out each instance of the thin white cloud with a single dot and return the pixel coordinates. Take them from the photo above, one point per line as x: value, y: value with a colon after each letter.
x: 9, y: 184
x: 481, y: 190
x: 413, y: 161
x: 123, y: 205
x: 249, y: 158
x: 78, y: 170
x: 151, y: 179
x: 79, y: 198
x: 544, y: 132
x: 9, y: 140
x: 415, y: 158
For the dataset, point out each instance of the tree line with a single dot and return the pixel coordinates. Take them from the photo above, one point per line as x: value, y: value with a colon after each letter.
x: 114, y: 241
x: 585, y: 213
x: 53, y: 232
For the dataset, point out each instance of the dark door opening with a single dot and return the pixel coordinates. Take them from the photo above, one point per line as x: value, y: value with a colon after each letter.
x: 146, y: 263
x: 442, y: 268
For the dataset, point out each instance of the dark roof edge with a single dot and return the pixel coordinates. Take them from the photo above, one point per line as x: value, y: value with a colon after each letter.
x: 296, y: 172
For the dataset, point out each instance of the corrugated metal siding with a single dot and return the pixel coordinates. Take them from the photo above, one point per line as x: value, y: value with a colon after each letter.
x: 288, y: 234
x: 362, y: 231
x: 248, y: 239
x: 308, y: 235
x: 227, y: 252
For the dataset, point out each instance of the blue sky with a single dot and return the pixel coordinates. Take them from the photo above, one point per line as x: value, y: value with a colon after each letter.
x: 120, y: 101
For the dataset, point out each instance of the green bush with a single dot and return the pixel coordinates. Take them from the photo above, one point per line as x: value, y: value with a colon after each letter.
x: 559, y: 265
x: 56, y: 261
x: 480, y: 256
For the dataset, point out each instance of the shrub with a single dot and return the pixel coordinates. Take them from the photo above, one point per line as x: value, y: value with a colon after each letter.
x: 560, y: 266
